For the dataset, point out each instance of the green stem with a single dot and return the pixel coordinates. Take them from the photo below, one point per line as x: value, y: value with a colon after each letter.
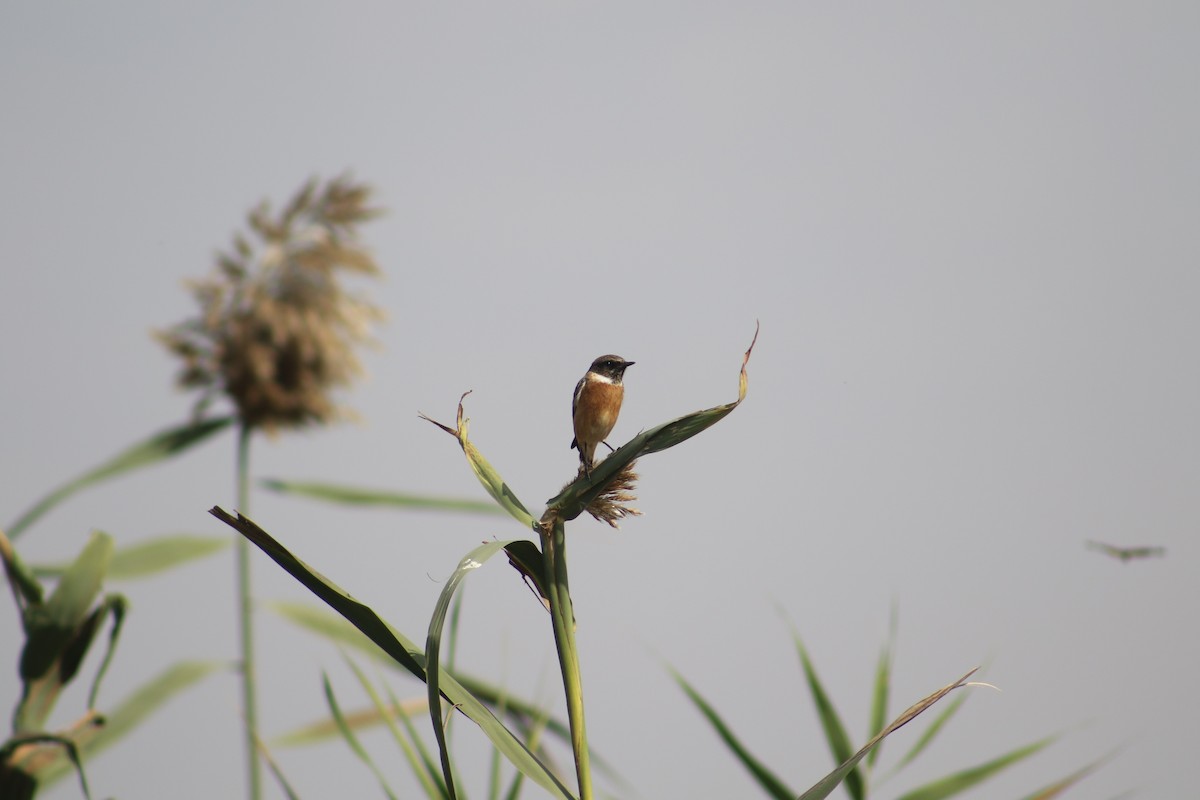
x: 245, y: 617
x: 554, y: 550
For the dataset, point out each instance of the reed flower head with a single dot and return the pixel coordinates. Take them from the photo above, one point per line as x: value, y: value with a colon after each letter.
x: 276, y: 332
x: 613, y: 504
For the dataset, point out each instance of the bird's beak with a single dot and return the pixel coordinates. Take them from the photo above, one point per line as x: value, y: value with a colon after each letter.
x: 629, y: 363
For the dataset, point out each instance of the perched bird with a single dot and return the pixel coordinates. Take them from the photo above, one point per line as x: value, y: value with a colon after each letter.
x: 596, y: 404
x: 1127, y: 554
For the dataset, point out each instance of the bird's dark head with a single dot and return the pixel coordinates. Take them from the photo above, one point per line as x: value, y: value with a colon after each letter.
x: 610, y: 367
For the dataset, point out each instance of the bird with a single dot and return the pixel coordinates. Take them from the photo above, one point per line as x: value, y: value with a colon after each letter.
x: 596, y: 404
x: 1126, y: 554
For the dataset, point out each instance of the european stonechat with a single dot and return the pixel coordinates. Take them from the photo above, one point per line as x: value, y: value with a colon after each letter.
x: 596, y: 404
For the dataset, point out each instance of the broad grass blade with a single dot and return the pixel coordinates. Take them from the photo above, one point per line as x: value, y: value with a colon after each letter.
x: 769, y: 782
x: 351, y: 496
x: 484, y: 471
x: 352, y: 740
x: 130, y: 713
x: 150, y: 557
x: 576, y: 496
x: 959, y: 782
x: 469, y: 563
x: 831, y: 723
x: 157, y: 448
x: 826, y: 785
x: 399, y: 648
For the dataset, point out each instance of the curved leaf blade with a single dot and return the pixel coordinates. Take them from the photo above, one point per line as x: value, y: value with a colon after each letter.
x: 484, y: 471
x: 401, y: 649
x: 159, y: 447
x: 469, y: 563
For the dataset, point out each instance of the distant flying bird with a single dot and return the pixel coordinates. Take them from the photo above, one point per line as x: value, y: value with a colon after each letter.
x: 596, y: 404
x: 1126, y: 554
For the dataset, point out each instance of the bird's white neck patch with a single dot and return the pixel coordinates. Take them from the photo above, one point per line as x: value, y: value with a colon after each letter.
x: 596, y: 377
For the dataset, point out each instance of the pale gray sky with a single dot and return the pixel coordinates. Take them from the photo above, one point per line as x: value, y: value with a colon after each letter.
x: 970, y: 234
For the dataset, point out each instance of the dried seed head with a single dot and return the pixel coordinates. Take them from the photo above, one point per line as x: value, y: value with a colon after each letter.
x: 611, y: 505
x: 276, y: 332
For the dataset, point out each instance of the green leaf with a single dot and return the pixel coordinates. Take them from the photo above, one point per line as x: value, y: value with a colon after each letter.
x: 59, y: 632
x: 952, y: 785
x: 826, y: 785
x: 351, y: 739
x: 151, y: 556
x: 769, y: 782
x: 351, y: 496
x: 414, y: 752
x: 835, y: 732
x: 159, y: 447
x: 484, y: 471
x: 403, y: 651
x: 469, y: 563
x: 579, y: 494
x: 131, y: 712
x: 341, y: 632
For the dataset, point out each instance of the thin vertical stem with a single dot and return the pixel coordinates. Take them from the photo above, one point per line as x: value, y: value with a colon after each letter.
x: 554, y: 551
x: 246, y: 623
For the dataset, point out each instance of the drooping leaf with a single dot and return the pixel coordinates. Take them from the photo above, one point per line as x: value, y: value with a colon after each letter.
x: 484, y: 471
x: 352, y: 496
x: 403, y: 651
x: 826, y: 785
x: 579, y: 494
x: 527, y: 559
x: 469, y: 563
x: 151, y: 556
x: 962, y: 780
x: 771, y: 784
x: 157, y: 448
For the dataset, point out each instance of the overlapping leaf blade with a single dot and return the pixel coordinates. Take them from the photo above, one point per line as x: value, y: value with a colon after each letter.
x: 403, y: 651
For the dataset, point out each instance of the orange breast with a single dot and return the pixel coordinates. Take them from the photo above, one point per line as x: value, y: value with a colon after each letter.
x: 597, y: 410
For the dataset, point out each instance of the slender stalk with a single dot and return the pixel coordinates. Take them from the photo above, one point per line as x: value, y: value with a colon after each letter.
x: 554, y: 549
x: 245, y: 617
